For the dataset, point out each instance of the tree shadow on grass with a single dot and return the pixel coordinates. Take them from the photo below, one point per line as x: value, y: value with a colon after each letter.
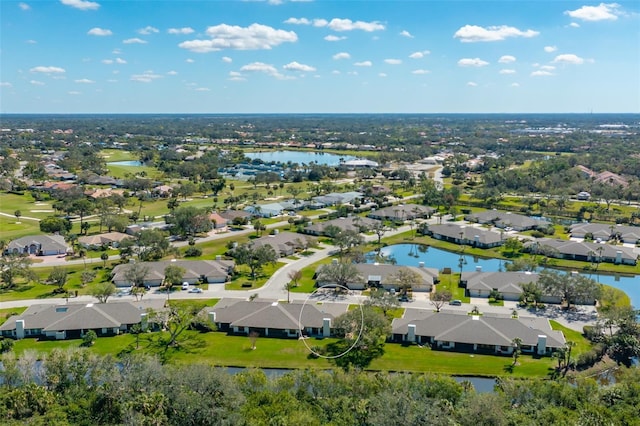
x: 508, y: 368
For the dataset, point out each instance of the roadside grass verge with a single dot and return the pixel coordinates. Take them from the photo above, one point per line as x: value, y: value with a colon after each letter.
x: 244, y: 277
x: 450, y: 282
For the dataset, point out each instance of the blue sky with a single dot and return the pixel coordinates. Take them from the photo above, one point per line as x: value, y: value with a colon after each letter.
x: 285, y: 56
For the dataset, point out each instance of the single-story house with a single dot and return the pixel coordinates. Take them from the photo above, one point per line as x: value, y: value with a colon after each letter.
x: 39, y: 245
x: 272, y: 319
x: 219, y: 222
x: 508, y: 284
x: 72, y: 320
x: 628, y: 234
x: 585, y: 251
x: 359, y: 163
x: 402, y: 212
x: 284, y: 243
x: 96, y: 193
x: 468, y: 235
x: 487, y: 333
x: 266, y: 210
x: 230, y: 215
x: 356, y: 223
x: 208, y: 271
x: 111, y: 239
x: 384, y: 276
x: 505, y: 220
x: 337, y: 198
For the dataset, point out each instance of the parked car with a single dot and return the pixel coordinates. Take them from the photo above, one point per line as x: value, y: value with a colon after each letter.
x: 195, y: 290
x: 185, y: 286
x: 456, y: 302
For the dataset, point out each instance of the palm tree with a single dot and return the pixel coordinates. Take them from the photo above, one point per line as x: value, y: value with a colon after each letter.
x: 517, y: 343
x: 17, y: 214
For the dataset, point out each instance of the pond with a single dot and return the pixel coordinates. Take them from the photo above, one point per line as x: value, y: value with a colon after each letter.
x: 300, y: 157
x: 480, y: 384
x: 130, y: 163
x: 413, y: 254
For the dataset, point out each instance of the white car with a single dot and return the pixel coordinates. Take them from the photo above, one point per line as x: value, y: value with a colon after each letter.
x: 185, y: 286
x: 195, y: 290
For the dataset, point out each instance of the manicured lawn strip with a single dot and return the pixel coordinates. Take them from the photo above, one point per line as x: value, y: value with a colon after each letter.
x: 9, y: 203
x: 582, y: 343
x: 112, y: 155
x: 10, y: 230
x: 422, y: 359
x: 6, y: 313
x: 118, y: 171
x: 391, y: 313
x: 221, y: 350
x: 307, y: 284
x: 245, y: 277
x: 450, y: 282
x: 197, y: 304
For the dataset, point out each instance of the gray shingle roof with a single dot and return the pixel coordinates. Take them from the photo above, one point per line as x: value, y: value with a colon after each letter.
x: 193, y: 269
x: 504, y: 282
x: 485, y: 329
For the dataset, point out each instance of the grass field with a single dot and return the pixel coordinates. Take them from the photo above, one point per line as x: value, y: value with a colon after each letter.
x: 221, y: 350
x: 10, y: 230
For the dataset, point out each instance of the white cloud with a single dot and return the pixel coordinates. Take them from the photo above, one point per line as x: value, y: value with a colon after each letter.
x: 298, y: 21
x: 341, y: 55
x: 320, y: 22
x: 48, y: 70
x: 352, y: 72
x: 134, y: 40
x: 332, y: 37
x: 474, y: 33
x: 263, y: 68
x: 602, y: 12
x: 420, y: 72
x: 116, y: 51
x: 172, y: 72
x: 81, y: 4
x: 363, y: 64
x: 189, y: 60
x: 568, y: 58
x: 337, y: 24
x: 506, y: 59
x: 148, y: 30
x: 472, y: 83
x: 475, y: 62
x: 393, y: 61
x: 120, y: 61
x: 295, y: 66
x: 335, y: 72
x: 253, y: 37
x: 541, y: 73
x: 574, y: 25
x: 507, y: 71
x: 547, y: 68
x: 419, y: 55
x: 236, y: 76
x: 101, y: 32
x: 515, y: 85
x: 31, y: 42
x: 405, y: 33
x: 24, y: 6
x: 36, y: 83
x: 550, y: 49
x: 74, y: 93
x: 5, y: 84
x: 183, y: 30
x: 84, y: 81
x: 203, y: 89
x: 145, y: 77
x: 227, y: 59
x: 107, y: 61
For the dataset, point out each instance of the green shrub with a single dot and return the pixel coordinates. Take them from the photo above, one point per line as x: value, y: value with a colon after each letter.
x: 193, y: 252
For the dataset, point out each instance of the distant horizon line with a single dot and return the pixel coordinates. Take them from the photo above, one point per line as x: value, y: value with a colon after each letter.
x: 314, y: 113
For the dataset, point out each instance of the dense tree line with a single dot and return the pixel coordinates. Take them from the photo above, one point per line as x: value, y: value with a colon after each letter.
x: 78, y: 387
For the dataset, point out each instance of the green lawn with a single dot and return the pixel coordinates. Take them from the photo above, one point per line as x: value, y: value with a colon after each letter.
x: 6, y: 313
x: 244, y: 276
x: 222, y: 350
x: 10, y: 230
x: 582, y: 343
x: 110, y: 155
x: 450, y: 282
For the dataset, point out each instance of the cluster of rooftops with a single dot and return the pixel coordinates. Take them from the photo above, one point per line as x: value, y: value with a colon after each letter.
x: 457, y: 331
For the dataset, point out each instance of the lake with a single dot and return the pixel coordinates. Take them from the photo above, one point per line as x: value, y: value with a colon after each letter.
x: 299, y: 157
x: 413, y: 254
x: 130, y: 163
